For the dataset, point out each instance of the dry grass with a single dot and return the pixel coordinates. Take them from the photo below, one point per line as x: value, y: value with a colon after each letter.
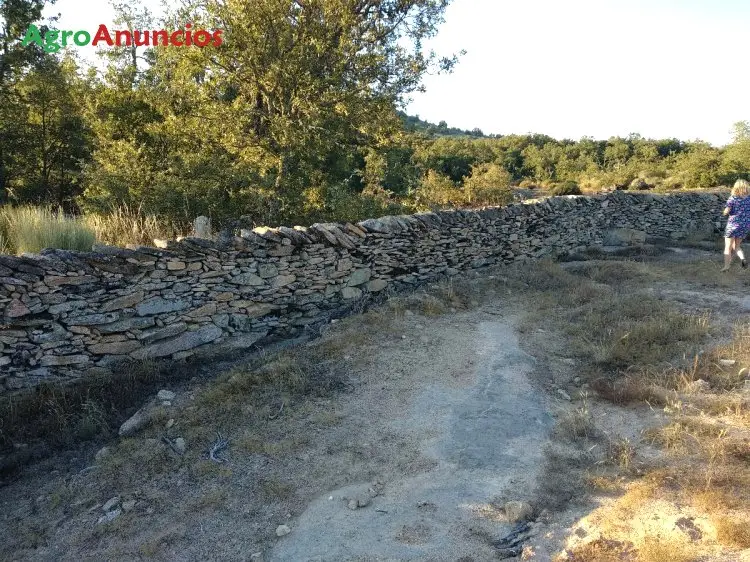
x: 706, y: 472
x: 32, y: 229
x: 563, y: 477
x: 703, y: 273
x: 651, y: 549
x: 659, y: 549
x: 575, y: 425
x: 618, y: 272
x: 733, y: 530
x: 161, y: 540
x: 612, y: 330
x: 123, y: 226
x: 277, y: 489
x: 211, y: 500
x: 59, y: 415
x: 639, y: 349
x: 685, y: 434
x: 622, y: 332
x: 132, y: 460
x: 245, y: 405
x: 621, y: 452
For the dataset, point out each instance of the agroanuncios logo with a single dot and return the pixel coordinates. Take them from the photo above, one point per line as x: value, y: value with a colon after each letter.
x: 54, y: 39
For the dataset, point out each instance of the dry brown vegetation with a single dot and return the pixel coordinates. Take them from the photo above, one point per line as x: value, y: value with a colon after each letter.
x: 637, y: 349
x: 57, y: 416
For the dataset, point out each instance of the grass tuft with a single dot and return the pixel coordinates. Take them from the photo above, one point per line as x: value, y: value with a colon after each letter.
x: 124, y: 225
x: 33, y: 229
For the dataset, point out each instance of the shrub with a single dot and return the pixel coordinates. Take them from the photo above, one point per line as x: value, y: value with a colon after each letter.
x: 591, y: 182
x: 437, y: 191
x: 489, y: 184
x: 639, y: 184
x: 566, y: 188
x: 32, y: 229
x: 336, y: 202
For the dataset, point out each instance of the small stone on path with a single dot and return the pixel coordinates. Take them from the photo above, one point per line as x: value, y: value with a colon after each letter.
x: 111, y: 503
x: 136, y: 422
x: 362, y: 499
x: 166, y: 395
x: 282, y: 530
x: 102, y: 453
x: 517, y: 511
x: 111, y: 516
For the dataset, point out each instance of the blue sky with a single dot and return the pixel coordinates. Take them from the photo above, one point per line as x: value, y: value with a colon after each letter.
x: 660, y: 68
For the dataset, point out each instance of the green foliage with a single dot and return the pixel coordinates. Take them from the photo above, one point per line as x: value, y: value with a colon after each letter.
x: 489, y: 184
x: 294, y: 119
x: 414, y: 124
x: 32, y: 229
x: 42, y: 135
x: 437, y: 191
x: 566, y: 188
x: 699, y: 167
x: 336, y: 203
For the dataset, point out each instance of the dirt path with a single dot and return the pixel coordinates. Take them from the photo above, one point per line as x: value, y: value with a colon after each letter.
x: 441, y: 419
x: 419, y: 423
x: 485, y: 436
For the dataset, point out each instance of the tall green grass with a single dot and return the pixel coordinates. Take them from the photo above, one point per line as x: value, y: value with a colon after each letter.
x: 32, y: 229
x: 29, y: 229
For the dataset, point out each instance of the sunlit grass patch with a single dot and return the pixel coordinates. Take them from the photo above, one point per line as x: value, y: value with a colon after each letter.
x: 33, y: 229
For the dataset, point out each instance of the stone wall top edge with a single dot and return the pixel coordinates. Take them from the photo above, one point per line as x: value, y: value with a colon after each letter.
x: 339, y: 234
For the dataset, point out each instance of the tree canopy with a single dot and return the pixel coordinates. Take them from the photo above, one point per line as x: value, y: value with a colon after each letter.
x: 297, y: 115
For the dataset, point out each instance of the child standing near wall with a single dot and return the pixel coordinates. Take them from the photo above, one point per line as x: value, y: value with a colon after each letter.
x: 738, y: 225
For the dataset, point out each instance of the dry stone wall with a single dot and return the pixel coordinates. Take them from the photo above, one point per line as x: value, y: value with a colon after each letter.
x: 66, y: 314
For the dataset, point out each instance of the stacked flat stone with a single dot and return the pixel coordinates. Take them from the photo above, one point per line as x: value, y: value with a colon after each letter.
x: 66, y: 314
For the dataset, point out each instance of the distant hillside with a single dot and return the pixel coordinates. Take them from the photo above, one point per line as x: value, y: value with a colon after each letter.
x: 414, y: 124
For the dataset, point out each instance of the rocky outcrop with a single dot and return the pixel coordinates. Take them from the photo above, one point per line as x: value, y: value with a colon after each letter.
x: 67, y: 313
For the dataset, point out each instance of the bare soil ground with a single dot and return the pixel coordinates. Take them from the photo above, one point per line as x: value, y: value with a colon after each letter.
x: 402, y: 433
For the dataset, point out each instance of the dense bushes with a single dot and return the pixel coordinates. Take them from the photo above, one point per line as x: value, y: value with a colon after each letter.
x: 488, y: 184
x: 177, y: 133
x: 566, y: 188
